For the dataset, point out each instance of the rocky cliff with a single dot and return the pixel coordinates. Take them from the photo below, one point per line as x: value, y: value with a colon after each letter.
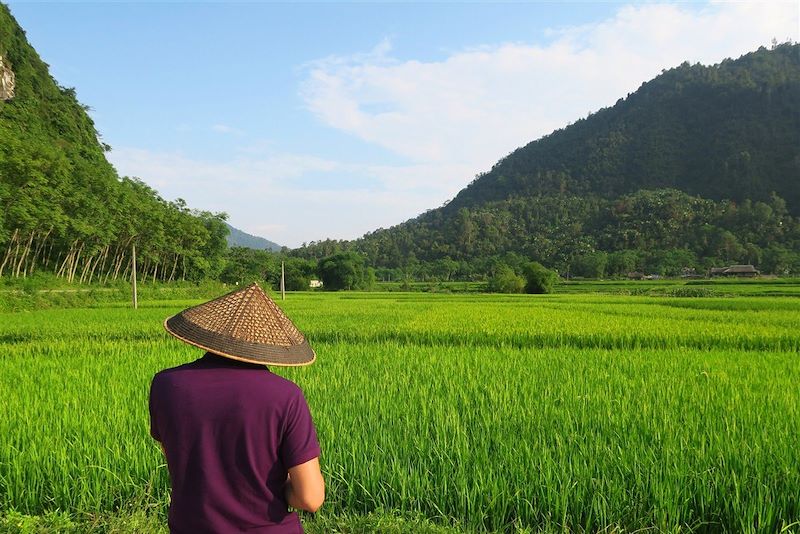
x: 7, y: 80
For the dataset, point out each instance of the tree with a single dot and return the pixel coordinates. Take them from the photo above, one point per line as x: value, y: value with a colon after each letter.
x: 591, y: 265
x: 670, y: 262
x: 243, y: 265
x: 622, y: 262
x: 445, y: 268
x: 781, y: 261
x: 297, y: 274
x: 345, y: 270
x: 505, y: 280
x: 539, y: 279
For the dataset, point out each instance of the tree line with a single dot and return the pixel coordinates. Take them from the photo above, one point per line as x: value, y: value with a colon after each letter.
x: 64, y: 209
x: 665, y: 232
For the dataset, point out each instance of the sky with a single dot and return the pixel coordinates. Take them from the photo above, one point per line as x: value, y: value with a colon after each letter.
x: 307, y: 121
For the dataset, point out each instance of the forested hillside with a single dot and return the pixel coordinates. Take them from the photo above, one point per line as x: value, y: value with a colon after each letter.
x: 728, y: 131
x: 699, y: 167
x: 62, y: 206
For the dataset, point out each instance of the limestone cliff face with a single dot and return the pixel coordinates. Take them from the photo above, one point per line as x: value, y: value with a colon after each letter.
x: 7, y: 80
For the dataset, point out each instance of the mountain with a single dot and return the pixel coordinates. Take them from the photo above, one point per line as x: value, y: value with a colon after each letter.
x: 699, y: 167
x: 237, y: 238
x: 63, y: 208
x: 728, y: 131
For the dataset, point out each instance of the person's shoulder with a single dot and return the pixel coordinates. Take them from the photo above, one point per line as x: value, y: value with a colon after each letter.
x: 166, y: 374
x: 284, y: 385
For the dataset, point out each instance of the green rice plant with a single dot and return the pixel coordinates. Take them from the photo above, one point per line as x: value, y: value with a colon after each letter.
x: 478, y: 412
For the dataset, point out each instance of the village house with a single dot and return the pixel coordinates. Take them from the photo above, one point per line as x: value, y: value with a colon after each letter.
x: 734, y: 270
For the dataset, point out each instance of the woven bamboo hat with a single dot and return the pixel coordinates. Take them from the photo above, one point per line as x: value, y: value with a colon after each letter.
x: 243, y: 325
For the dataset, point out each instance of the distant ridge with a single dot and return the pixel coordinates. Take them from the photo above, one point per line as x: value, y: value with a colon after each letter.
x: 237, y: 238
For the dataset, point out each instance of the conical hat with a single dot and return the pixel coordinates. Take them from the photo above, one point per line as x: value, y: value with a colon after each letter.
x: 243, y: 325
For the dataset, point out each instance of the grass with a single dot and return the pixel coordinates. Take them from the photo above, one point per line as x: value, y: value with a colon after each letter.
x: 717, y: 287
x: 442, y: 413
x: 131, y: 519
x: 667, y: 287
x: 45, y: 291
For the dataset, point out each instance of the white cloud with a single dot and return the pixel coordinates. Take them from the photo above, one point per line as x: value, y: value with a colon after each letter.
x: 225, y: 129
x: 175, y: 171
x: 271, y: 195
x: 479, y: 104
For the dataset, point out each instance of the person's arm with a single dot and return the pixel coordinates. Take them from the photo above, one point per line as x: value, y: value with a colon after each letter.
x: 305, y: 487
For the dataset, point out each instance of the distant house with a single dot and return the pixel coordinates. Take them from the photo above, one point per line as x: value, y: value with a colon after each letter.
x: 741, y: 270
x: 635, y: 276
x: 690, y: 272
x: 734, y: 270
x: 314, y: 284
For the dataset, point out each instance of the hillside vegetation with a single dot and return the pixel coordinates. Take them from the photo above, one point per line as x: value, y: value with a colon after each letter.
x: 729, y: 131
x: 699, y: 167
x: 64, y: 209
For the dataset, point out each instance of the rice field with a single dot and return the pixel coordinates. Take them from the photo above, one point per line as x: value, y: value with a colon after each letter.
x: 477, y: 412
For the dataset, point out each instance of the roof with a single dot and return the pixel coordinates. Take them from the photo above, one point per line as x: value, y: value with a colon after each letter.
x: 734, y: 269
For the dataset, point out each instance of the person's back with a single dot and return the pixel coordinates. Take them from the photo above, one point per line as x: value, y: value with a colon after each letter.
x: 240, y: 444
x: 231, y: 431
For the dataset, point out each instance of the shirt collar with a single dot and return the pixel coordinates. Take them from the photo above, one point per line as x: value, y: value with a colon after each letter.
x: 210, y: 359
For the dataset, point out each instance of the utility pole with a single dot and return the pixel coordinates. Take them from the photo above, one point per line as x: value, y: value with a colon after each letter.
x: 133, y: 277
x: 283, y: 283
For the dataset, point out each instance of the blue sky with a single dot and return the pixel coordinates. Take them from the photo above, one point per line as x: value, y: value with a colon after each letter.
x: 304, y: 121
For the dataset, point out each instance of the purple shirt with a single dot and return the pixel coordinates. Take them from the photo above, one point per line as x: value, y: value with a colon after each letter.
x: 231, y: 431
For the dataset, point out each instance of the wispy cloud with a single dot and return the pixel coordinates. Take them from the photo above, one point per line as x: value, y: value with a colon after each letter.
x: 225, y: 129
x: 272, y: 195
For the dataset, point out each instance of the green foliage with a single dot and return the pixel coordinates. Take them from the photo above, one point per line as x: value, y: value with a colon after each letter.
x: 246, y: 265
x: 622, y: 262
x: 656, y: 232
x: 505, y: 280
x: 726, y: 131
x: 48, y: 292
x: 591, y: 265
x: 539, y: 279
x: 345, y: 270
x: 141, y: 520
x: 383, y: 522
x: 651, y: 413
x: 63, y: 209
x: 298, y: 274
x: 780, y: 260
x: 125, y: 521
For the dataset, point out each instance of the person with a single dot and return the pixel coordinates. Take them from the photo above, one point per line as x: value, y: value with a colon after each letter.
x: 239, y: 440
